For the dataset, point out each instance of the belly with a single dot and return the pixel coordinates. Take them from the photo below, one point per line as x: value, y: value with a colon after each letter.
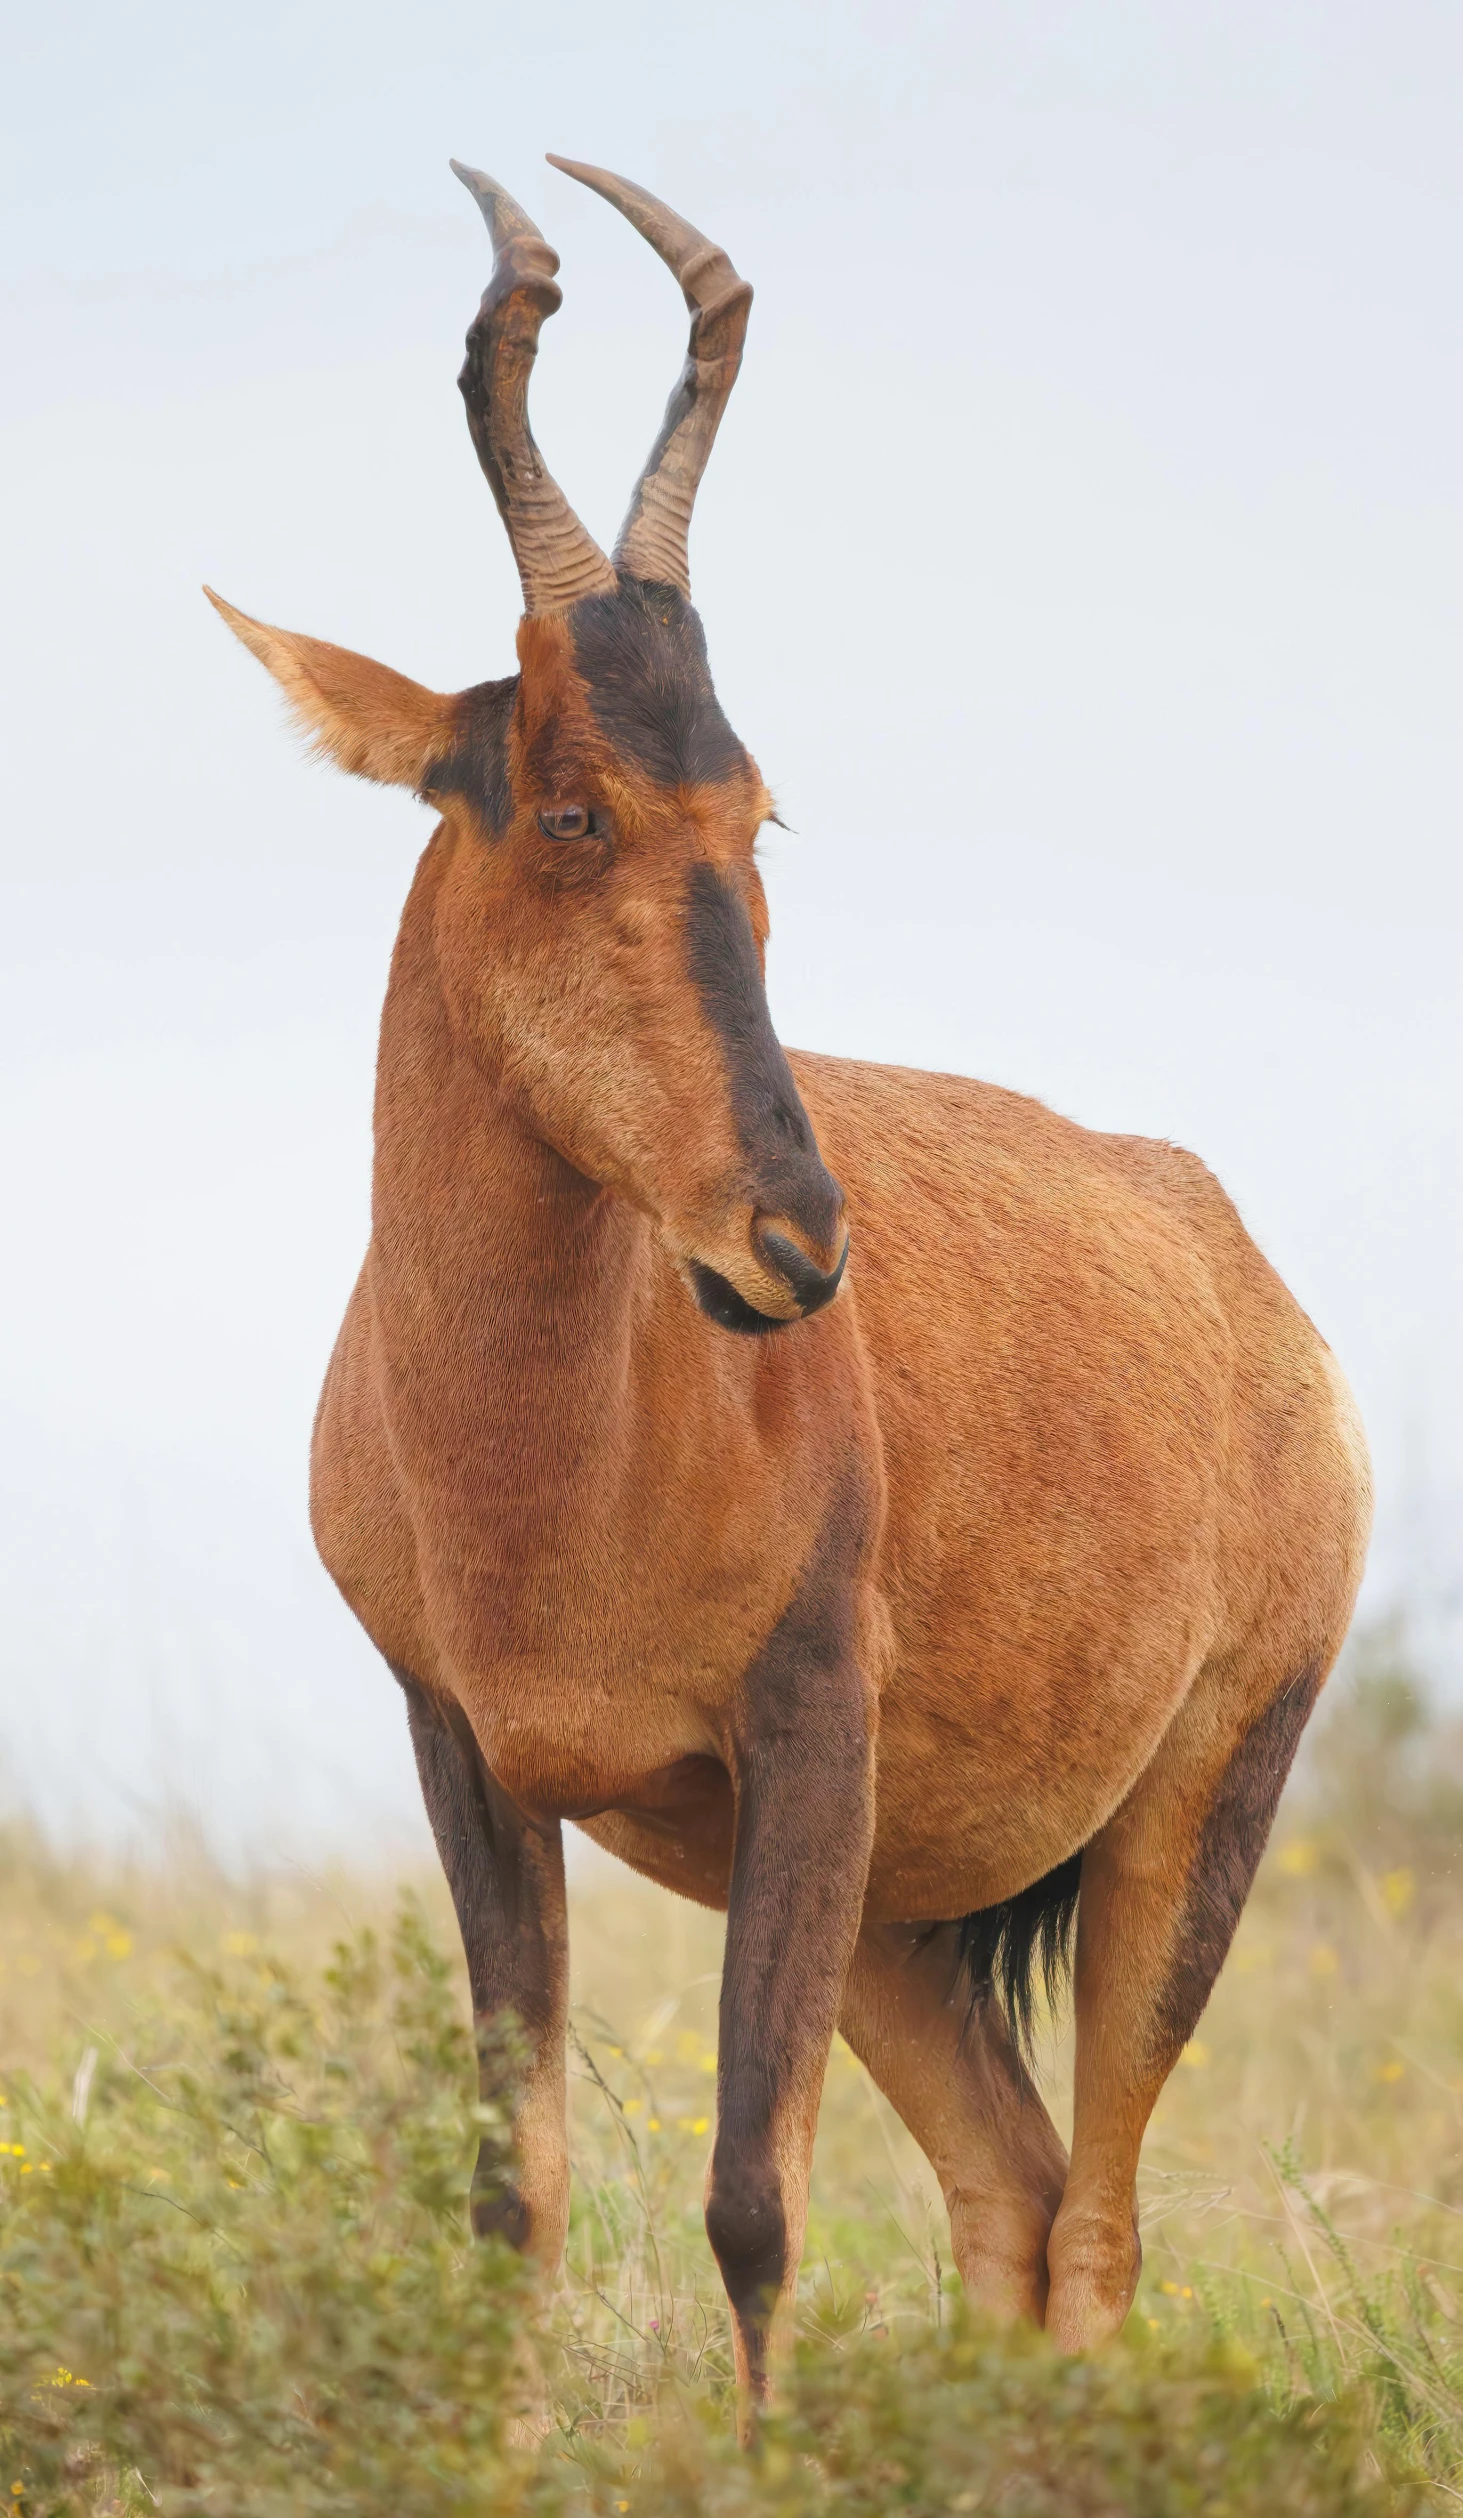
x: 1021, y: 1711
x: 966, y: 1819
x: 972, y: 1803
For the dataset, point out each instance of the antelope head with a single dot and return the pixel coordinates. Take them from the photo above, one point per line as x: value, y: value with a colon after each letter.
x: 601, y: 925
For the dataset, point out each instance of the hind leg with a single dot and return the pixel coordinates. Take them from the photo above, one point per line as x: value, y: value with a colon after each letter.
x: 966, y: 2098
x: 1162, y: 1888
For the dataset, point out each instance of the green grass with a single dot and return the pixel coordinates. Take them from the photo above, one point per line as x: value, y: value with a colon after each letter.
x: 235, y: 2274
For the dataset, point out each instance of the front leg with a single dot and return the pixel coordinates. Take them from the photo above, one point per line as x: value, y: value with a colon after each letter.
x: 802, y: 1774
x: 506, y: 1874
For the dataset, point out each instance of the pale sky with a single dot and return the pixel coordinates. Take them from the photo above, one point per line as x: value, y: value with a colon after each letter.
x: 1082, y: 558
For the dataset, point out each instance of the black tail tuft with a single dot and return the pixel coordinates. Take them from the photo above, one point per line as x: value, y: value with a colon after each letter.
x: 1002, y: 1947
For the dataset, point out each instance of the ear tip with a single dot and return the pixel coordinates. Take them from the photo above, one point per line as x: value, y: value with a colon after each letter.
x: 243, y: 624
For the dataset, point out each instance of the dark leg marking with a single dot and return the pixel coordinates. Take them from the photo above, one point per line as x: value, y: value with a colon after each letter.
x: 1231, y: 1842
x: 804, y: 1826
x: 502, y: 1873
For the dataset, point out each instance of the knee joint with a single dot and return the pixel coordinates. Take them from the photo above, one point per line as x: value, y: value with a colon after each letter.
x: 747, y: 2227
x: 499, y: 2210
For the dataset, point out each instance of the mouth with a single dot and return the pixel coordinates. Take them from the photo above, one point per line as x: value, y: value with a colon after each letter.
x: 721, y: 1302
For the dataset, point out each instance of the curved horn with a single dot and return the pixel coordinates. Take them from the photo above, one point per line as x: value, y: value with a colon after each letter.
x: 652, y: 541
x: 557, y: 560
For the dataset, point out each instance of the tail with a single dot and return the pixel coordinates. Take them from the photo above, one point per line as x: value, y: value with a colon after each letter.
x: 1002, y: 1948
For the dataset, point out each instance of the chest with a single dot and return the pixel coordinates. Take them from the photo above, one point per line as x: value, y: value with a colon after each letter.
x: 592, y: 1646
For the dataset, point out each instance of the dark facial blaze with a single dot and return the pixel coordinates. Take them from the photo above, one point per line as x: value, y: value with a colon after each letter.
x: 774, y: 1130
x: 639, y: 660
x: 641, y: 654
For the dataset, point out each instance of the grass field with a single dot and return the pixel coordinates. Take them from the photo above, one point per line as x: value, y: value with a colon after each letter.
x: 234, y: 2275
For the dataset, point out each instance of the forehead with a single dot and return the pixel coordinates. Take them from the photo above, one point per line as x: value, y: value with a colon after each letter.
x: 628, y: 670
x: 641, y: 655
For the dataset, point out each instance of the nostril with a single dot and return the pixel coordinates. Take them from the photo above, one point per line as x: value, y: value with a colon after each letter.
x: 797, y: 1195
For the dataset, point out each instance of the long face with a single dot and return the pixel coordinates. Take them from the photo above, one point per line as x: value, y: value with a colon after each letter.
x: 601, y: 926
x: 601, y: 934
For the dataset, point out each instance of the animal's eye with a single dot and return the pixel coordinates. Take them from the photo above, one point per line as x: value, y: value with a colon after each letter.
x: 568, y: 821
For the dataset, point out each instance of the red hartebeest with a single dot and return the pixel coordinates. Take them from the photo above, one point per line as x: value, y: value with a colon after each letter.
x: 888, y: 1623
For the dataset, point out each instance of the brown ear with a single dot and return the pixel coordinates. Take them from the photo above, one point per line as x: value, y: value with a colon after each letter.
x: 369, y: 719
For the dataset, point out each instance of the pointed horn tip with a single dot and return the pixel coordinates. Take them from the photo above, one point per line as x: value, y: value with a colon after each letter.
x: 505, y: 218
x: 484, y: 191
x: 664, y: 229
x: 600, y: 179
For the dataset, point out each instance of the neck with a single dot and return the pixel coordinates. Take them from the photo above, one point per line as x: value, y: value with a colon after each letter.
x: 593, y: 1481
x: 503, y: 1281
